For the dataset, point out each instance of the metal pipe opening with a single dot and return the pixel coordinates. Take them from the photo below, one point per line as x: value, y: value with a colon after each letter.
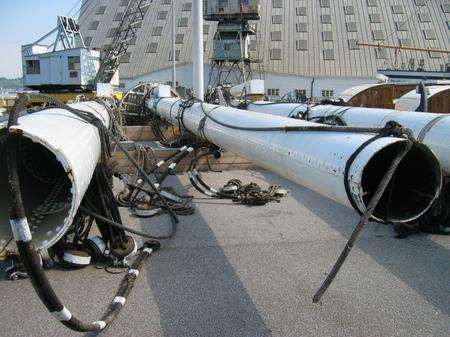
x: 46, y: 191
x: 412, y: 190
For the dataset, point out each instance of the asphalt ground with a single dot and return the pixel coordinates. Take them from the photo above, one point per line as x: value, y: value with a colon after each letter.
x: 234, y: 270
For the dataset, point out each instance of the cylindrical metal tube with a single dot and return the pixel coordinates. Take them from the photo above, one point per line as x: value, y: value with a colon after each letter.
x: 430, y: 129
x: 198, y: 50
x: 57, y: 158
x: 318, y: 160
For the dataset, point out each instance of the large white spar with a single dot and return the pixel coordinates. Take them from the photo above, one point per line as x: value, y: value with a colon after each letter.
x: 431, y: 129
x: 58, y: 155
x: 316, y: 160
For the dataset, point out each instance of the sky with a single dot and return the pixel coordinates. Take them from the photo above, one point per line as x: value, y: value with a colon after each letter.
x: 23, y: 22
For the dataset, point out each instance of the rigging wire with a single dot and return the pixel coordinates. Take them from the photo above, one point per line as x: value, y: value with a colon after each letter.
x: 73, y: 7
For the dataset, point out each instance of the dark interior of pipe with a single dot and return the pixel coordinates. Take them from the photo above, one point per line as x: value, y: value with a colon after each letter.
x: 46, y: 191
x: 413, y: 187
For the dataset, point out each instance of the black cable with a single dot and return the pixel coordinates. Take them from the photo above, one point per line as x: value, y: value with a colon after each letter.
x: 125, y: 228
x: 374, y: 200
x: 287, y: 128
x: 29, y: 255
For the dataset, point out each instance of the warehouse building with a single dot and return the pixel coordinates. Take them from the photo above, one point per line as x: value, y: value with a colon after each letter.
x: 308, y: 46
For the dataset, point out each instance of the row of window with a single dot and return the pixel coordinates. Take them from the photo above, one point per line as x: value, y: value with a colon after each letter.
x: 351, y: 25
x: 327, y: 35
x: 370, y: 3
x: 328, y: 54
x: 327, y: 93
x: 300, y: 11
x: 33, y: 67
x: 276, y: 53
x: 350, y: 10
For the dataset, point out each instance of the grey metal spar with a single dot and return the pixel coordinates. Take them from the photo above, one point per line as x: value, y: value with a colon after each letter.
x: 431, y: 129
x: 326, y: 162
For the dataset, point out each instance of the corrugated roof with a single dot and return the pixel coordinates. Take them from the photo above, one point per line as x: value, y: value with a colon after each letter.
x: 411, y: 25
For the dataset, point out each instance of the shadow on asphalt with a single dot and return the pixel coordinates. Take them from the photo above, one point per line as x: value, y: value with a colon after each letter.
x: 418, y: 261
x: 196, y: 288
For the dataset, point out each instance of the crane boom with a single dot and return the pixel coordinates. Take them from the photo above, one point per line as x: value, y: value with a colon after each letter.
x: 127, y: 31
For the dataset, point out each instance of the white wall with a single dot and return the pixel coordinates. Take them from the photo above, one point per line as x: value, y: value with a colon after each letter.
x: 286, y: 83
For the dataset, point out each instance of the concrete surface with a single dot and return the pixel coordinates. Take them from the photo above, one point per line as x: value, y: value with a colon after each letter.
x: 244, y: 271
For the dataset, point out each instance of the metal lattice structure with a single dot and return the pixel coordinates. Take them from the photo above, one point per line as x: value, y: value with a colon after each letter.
x: 127, y: 31
x: 231, y: 62
x: 66, y: 35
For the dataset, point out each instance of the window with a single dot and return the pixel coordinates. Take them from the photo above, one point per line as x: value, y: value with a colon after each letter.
x: 301, y: 45
x: 301, y: 27
x: 253, y: 45
x: 353, y: 44
x: 378, y: 35
x: 152, y: 47
x: 276, y: 36
x: 73, y: 63
x: 421, y: 2
x: 33, y: 67
x: 273, y: 92
x: 328, y: 54
x: 327, y: 93
x: 446, y: 8
x: 351, y: 27
x: 434, y: 55
x: 300, y: 11
x: 94, y: 25
x: 430, y: 34
x: 162, y: 15
x: 118, y: 16
x: 401, y: 26
x: 124, y: 3
x: 112, y: 32
x: 101, y: 10
x: 73, y: 74
x: 424, y: 17
x: 183, y: 22
x: 125, y: 58
x: 372, y: 3
x: 167, y: 2
x: 177, y: 55
x: 397, y: 9
x: 349, y: 10
x: 179, y: 38
x: 187, y: 7
x: 275, y: 54
x: 157, y: 31
x: 170, y: 83
x: 300, y: 92
x: 404, y: 42
x: 325, y: 3
x: 381, y: 53
x: 325, y: 18
x: 277, y: 3
x: 88, y: 41
x: 327, y: 35
x: 205, y: 29
x: 277, y: 19
x: 375, y: 18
